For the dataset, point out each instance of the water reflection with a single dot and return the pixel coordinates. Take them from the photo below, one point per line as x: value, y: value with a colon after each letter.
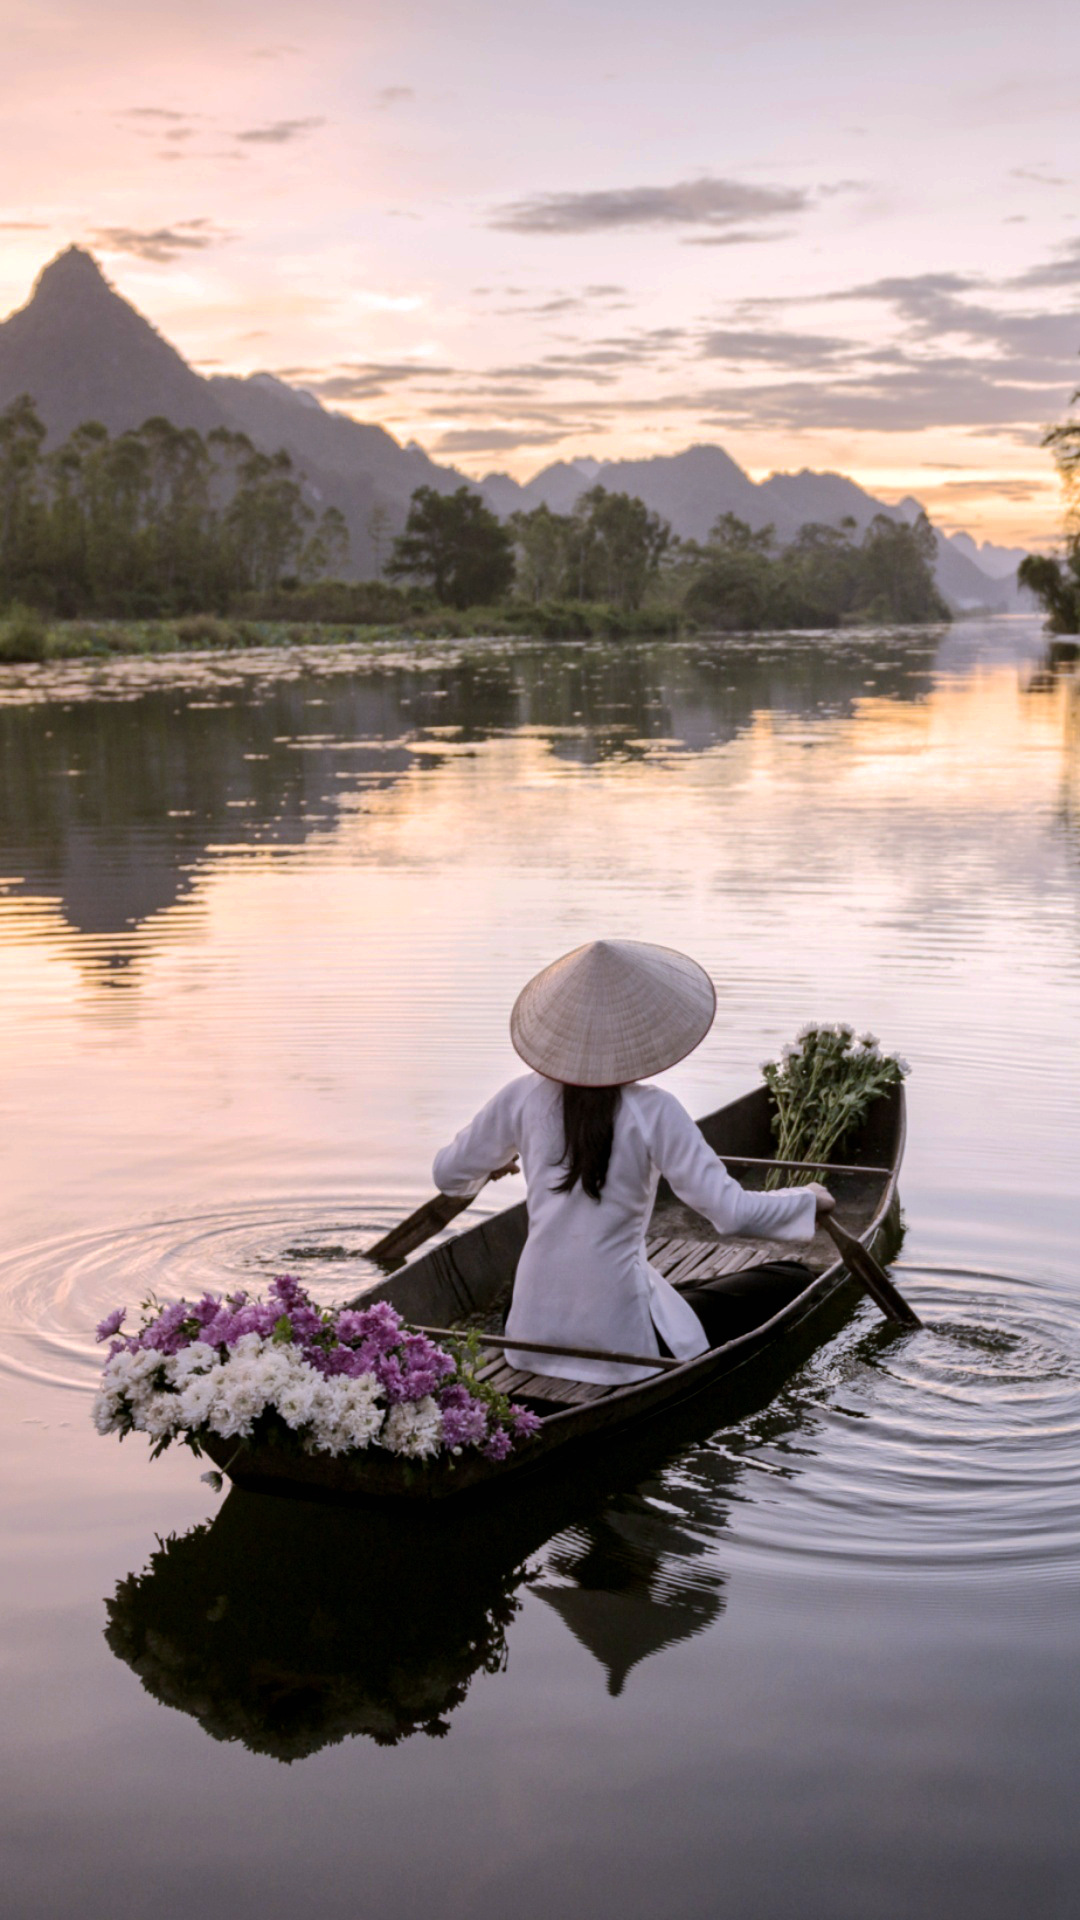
x: 291, y: 1627
x: 118, y: 788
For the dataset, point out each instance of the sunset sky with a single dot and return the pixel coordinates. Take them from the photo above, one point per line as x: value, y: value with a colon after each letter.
x: 819, y: 235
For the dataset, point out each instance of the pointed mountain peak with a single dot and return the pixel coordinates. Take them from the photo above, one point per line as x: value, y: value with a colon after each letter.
x: 74, y: 274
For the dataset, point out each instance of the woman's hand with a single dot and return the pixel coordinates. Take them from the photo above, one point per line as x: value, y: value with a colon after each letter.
x: 512, y: 1166
x: 823, y: 1198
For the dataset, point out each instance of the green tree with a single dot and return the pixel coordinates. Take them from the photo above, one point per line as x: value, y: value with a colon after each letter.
x: 731, y: 578
x: 544, y: 550
x: 326, y: 553
x: 456, y: 546
x: 1057, y: 582
x: 618, y: 547
x: 896, y: 573
x: 378, y: 527
x: 21, y: 437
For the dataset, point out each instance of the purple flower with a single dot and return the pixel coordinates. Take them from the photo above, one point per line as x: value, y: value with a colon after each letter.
x: 465, y: 1426
x: 111, y: 1324
x: 526, y: 1423
x: 166, y: 1334
x: 498, y: 1445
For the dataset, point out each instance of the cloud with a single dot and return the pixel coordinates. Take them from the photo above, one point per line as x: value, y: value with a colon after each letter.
x: 737, y: 237
x: 394, y: 96
x: 368, y: 380
x: 23, y: 226
x: 1040, y: 175
x: 496, y: 439
x: 777, y: 349
x: 705, y: 202
x: 279, y: 132
x: 160, y: 244
x: 1064, y: 271
x: 154, y: 113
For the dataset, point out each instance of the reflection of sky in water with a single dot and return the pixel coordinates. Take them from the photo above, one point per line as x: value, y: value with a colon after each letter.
x: 260, y: 928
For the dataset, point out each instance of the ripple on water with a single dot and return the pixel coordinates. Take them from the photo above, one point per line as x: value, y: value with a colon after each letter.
x: 54, y: 1293
x: 953, y: 1447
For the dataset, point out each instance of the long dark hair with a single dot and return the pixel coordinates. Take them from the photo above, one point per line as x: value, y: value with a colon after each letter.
x: 589, y: 1129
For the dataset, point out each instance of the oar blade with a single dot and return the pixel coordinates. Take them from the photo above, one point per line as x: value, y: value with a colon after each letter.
x: 862, y: 1265
x: 436, y: 1213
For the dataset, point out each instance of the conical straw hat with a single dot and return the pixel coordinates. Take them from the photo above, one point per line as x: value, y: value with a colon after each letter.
x: 611, y: 1012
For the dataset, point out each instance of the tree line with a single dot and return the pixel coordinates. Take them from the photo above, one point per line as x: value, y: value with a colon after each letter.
x: 161, y: 520
x: 156, y: 520
x: 612, y: 549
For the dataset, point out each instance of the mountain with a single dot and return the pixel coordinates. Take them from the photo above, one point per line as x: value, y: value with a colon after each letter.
x: 692, y: 489
x: 999, y: 562
x: 84, y: 353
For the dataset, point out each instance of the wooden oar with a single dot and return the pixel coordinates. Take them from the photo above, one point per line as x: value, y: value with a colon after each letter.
x: 540, y: 1346
x: 862, y: 1266
x: 395, y: 1246
x: 436, y: 1213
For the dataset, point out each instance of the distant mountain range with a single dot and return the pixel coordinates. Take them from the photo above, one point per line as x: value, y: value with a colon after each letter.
x: 84, y: 353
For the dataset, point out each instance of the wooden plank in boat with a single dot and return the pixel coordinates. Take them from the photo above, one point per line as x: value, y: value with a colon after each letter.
x: 546, y: 1386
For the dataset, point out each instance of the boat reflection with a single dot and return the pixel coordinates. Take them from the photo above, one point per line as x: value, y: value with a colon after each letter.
x: 290, y: 1627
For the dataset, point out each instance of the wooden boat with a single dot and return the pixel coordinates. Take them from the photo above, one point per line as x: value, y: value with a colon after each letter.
x: 467, y: 1280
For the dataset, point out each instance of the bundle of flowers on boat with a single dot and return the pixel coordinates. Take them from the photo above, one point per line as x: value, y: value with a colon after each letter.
x: 284, y: 1370
x: 823, y: 1087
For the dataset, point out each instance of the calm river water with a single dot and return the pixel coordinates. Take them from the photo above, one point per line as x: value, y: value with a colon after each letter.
x: 262, y: 919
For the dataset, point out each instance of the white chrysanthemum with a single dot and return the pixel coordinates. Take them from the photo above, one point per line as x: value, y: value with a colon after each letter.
x: 790, y: 1053
x: 346, y: 1414
x: 870, y: 1041
x: 159, y: 1414
x: 413, y: 1429
x: 197, y: 1398
x: 196, y: 1359
x: 132, y: 1372
x: 805, y: 1033
x: 297, y: 1398
x: 904, y: 1066
x: 108, y: 1412
x: 844, y: 1032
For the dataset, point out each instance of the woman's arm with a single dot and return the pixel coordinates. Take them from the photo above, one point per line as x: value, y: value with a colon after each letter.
x: 692, y: 1169
x: 483, y: 1148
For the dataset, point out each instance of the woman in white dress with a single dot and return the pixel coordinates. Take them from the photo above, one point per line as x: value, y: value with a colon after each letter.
x: 593, y: 1143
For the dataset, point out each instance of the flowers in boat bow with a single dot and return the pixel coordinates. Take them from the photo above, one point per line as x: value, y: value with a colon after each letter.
x: 823, y: 1086
x: 284, y: 1370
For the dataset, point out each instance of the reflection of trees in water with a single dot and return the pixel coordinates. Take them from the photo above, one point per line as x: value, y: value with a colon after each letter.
x: 290, y: 1627
x: 112, y: 804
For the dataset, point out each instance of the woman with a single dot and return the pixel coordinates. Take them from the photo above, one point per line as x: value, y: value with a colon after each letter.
x: 593, y: 1144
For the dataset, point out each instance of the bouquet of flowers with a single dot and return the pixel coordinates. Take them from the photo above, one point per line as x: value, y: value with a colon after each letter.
x: 823, y: 1086
x: 323, y: 1380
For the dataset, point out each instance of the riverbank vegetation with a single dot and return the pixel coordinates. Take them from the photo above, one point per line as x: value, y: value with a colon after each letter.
x: 160, y: 539
x: 1057, y: 582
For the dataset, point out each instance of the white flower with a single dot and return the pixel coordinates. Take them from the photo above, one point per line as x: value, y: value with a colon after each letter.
x: 790, y: 1053
x: 158, y: 1414
x: 196, y: 1359
x: 413, y: 1429
x: 806, y: 1033
x: 347, y: 1414
x: 869, y: 1040
x: 197, y: 1398
x: 904, y: 1066
x: 844, y: 1032
x: 108, y: 1411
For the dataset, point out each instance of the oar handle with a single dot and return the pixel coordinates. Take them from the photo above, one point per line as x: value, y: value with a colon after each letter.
x: 657, y: 1360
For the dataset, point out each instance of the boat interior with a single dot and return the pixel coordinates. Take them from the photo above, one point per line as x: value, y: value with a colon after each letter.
x: 466, y: 1282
